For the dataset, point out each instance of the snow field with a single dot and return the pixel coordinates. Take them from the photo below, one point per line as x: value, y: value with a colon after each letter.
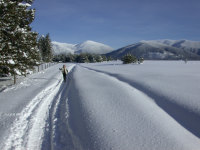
x: 105, y: 106
x: 173, y: 85
x: 118, y: 116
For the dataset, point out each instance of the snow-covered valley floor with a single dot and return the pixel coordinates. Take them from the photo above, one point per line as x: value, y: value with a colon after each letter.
x: 103, y: 106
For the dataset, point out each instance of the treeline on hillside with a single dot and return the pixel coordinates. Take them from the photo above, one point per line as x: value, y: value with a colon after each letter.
x: 81, y: 58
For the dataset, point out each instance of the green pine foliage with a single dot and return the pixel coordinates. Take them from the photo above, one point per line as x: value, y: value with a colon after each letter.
x: 18, y: 43
x: 98, y: 58
x: 91, y: 59
x: 128, y: 58
x: 69, y: 58
x: 109, y: 58
x: 80, y: 58
x: 45, y: 47
x: 104, y: 57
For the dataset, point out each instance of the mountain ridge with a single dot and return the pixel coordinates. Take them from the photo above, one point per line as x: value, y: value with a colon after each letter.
x: 161, y: 49
x: 84, y: 47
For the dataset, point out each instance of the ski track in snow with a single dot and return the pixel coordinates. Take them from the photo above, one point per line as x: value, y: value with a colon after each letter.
x: 29, y: 129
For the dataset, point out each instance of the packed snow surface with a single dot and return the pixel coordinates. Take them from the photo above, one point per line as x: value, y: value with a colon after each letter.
x: 154, y: 105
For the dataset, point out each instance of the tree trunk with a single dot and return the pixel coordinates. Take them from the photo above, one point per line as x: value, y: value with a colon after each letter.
x: 15, y: 78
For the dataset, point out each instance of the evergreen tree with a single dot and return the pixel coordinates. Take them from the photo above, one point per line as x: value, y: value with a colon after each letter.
x: 109, y: 58
x: 104, y: 58
x: 45, y: 47
x: 82, y: 58
x: 18, y: 44
x: 91, y: 58
x: 49, y: 55
x: 98, y: 58
x: 41, y: 46
x: 69, y: 58
x: 128, y: 58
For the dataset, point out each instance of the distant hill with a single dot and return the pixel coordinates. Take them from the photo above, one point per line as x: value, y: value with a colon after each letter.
x: 193, y: 46
x: 85, y: 47
x: 62, y: 48
x: 161, y: 49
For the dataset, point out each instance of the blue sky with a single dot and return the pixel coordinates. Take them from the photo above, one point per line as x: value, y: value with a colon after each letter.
x: 117, y: 22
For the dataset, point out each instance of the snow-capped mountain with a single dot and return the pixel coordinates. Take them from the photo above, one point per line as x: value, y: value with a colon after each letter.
x: 62, y: 48
x: 92, y: 47
x: 185, y: 44
x: 161, y: 49
x: 85, y: 47
x: 192, y: 46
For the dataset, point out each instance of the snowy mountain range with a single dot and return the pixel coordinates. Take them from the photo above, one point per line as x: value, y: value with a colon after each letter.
x: 161, y: 49
x: 85, y: 47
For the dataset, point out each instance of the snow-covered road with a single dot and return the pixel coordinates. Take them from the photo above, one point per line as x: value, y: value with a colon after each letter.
x: 100, y: 108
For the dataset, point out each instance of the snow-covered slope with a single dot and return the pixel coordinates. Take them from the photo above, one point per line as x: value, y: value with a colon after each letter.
x: 93, y: 47
x: 161, y: 49
x: 85, y: 47
x: 190, y: 44
x: 183, y: 44
x: 62, y: 48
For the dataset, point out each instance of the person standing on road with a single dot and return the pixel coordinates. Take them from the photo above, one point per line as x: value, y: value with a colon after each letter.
x: 64, y: 72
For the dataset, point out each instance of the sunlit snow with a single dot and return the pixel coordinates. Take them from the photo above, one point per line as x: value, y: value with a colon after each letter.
x: 154, y: 105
